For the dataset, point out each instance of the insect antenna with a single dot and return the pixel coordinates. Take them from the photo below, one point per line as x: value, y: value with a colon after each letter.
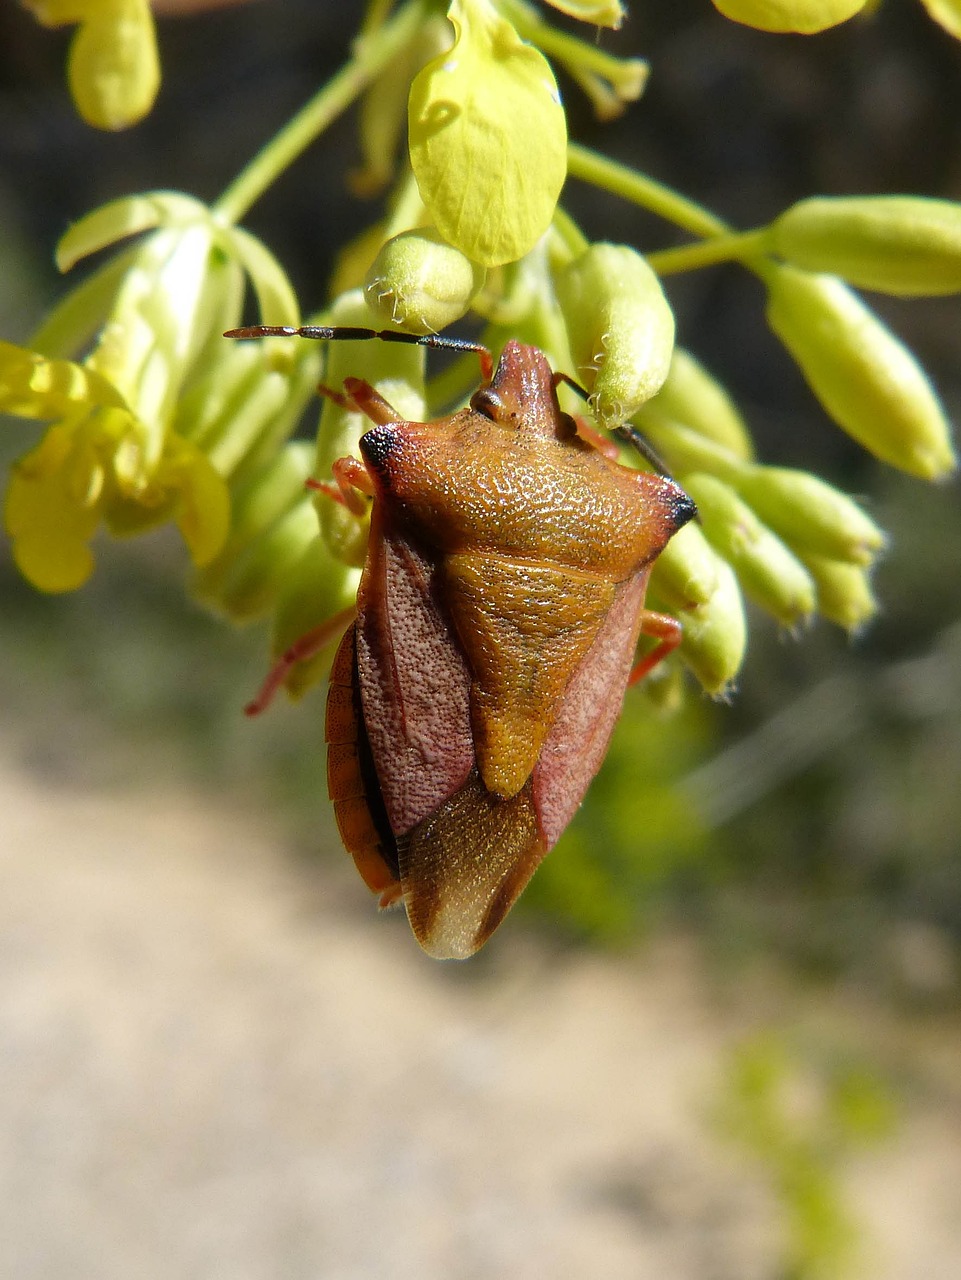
x: 630, y: 435
x: 345, y: 333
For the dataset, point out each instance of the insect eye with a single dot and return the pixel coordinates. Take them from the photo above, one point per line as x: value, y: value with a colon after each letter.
x: 488, y: 403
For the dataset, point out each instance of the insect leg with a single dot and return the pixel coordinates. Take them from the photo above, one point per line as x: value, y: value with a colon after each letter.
x: 667, y: 631
x: 302, y: 649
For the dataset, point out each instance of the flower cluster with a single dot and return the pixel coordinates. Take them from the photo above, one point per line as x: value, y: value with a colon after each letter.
x: 156, y: 418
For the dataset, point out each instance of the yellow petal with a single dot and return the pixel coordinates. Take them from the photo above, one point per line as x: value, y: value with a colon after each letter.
x: 49, y: 528
x: 32, y: 386
x: 488, y: 138
x: 804, y: 16
x: 113, y: 69
x: 127, y: 216
x: 599, y: 13
x: 202, y: 510
x: 947, y: 13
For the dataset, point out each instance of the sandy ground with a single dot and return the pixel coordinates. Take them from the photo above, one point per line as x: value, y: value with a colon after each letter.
x: 217, y: 1062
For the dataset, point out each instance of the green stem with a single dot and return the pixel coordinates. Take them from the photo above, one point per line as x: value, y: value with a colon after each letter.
x: 623, y: 74
x: 572, y: 237
x: 639, y: 189
x: 704, y: 253
x: 370, y: 56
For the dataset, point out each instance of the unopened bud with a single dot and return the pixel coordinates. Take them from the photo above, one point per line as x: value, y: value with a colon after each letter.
x: 905, y: 245
x: 844, y: 592
x: 314, y: 590
x: 685, y: 449
x: 693, y: 397
x: 256, y: 506
x: 254, y: 580
x: 865, y: 378
x: 767, y: 570
x: 686, y: 572
x: 420, y: 283
x: 620, y: 326
x: 811, y: 515
x: 715, y: 634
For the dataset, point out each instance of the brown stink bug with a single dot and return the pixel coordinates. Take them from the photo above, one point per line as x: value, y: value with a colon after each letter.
x: 476, y: 687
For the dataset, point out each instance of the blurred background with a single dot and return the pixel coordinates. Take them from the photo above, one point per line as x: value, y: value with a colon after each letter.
x: 720, y: 1037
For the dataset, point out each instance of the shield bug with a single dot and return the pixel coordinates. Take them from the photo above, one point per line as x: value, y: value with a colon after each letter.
x: 476, y: 687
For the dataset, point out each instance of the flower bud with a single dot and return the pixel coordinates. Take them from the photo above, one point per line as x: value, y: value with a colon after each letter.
x: 686, y: 572
x: 811, y: 515
x: 715, y: 634
x: 844, y: 591
x: 685, y: 449
x: 905, y: 245
x: 866, y: 379
x: 421, y: 283
x: 767, y: 570
x: 257, y: 506
x: 113, y: 69
x: 314, y: 590
x: 803, y: 16
x: 254, y: 579
x: 620, y: 326
x: 692, y: 397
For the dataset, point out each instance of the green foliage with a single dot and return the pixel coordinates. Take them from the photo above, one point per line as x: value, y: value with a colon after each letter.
x: 799, y: 1119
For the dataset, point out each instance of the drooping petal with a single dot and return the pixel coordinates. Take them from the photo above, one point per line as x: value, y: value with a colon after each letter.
x: 488, y: 138
x: 50, y: 529
x: 113, y: 68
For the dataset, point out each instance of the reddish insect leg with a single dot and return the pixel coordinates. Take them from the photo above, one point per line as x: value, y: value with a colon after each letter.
x: 667, y: 631
x: 302, y: 649
x: 361, y: 397
x: 350, y: 485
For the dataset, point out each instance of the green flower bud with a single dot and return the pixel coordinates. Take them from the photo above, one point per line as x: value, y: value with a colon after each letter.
x: 686, y: 572
x: 421, y: 283
x: 810, y: 515
x: 685, y: 449
x: 693, y: 397
x: 804, y: 16
x: 254, y: 580
x: 315, y: 589
x: 767, y: 570
x: 715, y: 634
x: 113, y: 69
x: 620, y: 326
x: 844, y: 591
x: 256, y: 506
x: 865, y: 378
x: 894, y: 244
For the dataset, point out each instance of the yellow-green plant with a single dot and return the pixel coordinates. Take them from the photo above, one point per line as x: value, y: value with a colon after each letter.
x: 154, y: 417
x: 799, y: 1119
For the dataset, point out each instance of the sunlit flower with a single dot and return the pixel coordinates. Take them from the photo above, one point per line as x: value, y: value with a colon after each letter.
x: 118, y: 451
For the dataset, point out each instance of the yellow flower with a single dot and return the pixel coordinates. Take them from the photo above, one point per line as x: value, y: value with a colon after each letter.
x: 112, y: 68
x: 119, y: 450
x: 94, y: 465
x: 488, y: 138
